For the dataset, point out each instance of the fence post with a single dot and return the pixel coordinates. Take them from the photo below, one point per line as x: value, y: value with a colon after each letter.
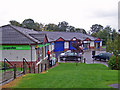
x: 84, y: 60
x: 29, y: 69
x: 34, y: 67
x: 41, y: 67
x: 45, y: 67
x: 4, y: 65
x: 23, y: 67
x: 14, y: 70
x: 38, y: 68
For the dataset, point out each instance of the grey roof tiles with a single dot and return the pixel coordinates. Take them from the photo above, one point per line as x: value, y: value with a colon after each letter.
x: 18, y: 35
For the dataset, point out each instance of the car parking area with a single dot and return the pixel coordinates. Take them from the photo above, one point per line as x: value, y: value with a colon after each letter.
x: 88, y: 56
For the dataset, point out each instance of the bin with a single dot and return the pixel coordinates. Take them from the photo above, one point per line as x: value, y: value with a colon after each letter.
x: 93, y: 53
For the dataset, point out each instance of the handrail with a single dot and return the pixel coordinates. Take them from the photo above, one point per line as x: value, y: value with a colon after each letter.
x: 24, y: 60
x: 8, y: 62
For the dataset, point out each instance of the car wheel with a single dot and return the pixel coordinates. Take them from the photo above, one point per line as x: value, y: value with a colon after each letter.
x: 106, y: 59
x: 79, y: 59
x: 64, y: 59
x: 94, y: 58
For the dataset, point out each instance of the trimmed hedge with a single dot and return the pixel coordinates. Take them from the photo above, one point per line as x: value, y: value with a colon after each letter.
x: 112, y: 63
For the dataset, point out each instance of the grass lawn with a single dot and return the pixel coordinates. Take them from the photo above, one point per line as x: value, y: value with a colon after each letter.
x: 103, y: 46
x: 68, y: 75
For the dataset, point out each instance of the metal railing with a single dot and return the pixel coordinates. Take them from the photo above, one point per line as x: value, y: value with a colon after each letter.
x: 25, y: 61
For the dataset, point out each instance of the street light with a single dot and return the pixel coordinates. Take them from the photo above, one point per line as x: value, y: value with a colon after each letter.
x: 110, y: 35
x: 119, y: 32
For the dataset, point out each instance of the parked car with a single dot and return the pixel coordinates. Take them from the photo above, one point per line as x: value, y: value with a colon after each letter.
x: 70, y: 56
x: 102, y: 56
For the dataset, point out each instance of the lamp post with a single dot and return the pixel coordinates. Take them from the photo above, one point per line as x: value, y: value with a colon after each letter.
x: 119, y: 32
x: 111, y: 36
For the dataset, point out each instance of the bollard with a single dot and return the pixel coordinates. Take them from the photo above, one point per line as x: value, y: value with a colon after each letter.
x: 29, y: 69
x: 14, y: 71
x: 38, y: 68
x: 93, y: 60
x: 45, y: 67
x: 34, y: 67
x: 23, y: 67
x: 84, y: 60
x: 41, y: 67
x: 4, y: 66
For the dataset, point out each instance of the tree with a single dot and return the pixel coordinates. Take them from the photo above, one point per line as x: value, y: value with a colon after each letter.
x: 51, y: 27
x: 96, y: 28
x: 36, y: 26
x: 62, y: 26
x: 113, y: 46
x: 14, y: 22
x: 28, y: 23
x: 70, y: 29
x: 81, y: 30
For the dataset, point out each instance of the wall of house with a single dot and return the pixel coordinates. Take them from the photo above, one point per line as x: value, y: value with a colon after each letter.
x: 52, y: 47
x: 101, y: 44
x: 18, y: 55
x: 66, y: 46
x: 92, y: 44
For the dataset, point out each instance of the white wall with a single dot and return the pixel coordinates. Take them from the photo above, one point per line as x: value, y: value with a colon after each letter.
x: 92, y: 44
x: 101, y: 43
x: 50, y: 47
x: 18, y: 55
x: 66, y: 45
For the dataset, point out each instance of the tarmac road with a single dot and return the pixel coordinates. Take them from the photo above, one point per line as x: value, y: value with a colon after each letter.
x: 88, y: 56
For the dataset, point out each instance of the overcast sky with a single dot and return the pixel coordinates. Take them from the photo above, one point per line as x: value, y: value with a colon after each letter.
x: 78, y: 13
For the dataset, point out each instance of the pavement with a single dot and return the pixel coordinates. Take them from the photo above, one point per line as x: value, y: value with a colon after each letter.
x: 88, y: 55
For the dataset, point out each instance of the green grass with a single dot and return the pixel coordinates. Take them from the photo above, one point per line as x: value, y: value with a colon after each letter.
x: 68, y: 75
x: 103, y: 46
x: 18, y: 69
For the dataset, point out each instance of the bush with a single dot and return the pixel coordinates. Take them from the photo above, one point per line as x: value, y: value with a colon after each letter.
x: 112, y: 63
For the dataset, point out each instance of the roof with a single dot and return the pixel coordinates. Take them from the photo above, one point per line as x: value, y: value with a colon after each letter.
x: 18, y: 35
x: 53, y: 36
x: 39, y: 37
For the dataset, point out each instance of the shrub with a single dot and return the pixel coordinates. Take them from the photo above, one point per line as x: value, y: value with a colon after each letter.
x: 112, y: 63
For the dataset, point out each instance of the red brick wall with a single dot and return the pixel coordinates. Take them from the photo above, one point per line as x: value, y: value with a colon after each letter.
x: 66, y: 49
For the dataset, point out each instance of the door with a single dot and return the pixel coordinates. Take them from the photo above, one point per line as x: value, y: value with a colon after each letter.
x: 70, y: 46
x: 59, y: 46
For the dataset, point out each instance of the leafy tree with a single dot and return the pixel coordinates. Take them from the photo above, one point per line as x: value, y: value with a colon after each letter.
x: 28, y: 23
x: 108, y: 29
x: 14, y: 22
x: 36, y: 26
x: 114, y: 46
x: 94, y: 34
x: 81, y: 30
x: 70, y: 29
x: 114, y: 34
x: 62, y: 26
x: 51, y: 27
x: 96, y: 28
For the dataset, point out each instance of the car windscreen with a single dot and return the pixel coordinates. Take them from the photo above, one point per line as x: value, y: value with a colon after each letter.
x: 71, y: 54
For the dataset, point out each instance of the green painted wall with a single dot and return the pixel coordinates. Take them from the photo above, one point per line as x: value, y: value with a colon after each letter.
x: 14, y: 47
x: 19, y: 47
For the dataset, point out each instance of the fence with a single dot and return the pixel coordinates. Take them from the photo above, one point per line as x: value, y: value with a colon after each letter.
x: 10, y: 73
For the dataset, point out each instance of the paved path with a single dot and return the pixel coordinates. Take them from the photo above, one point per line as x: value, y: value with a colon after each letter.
x: 115, y: 86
